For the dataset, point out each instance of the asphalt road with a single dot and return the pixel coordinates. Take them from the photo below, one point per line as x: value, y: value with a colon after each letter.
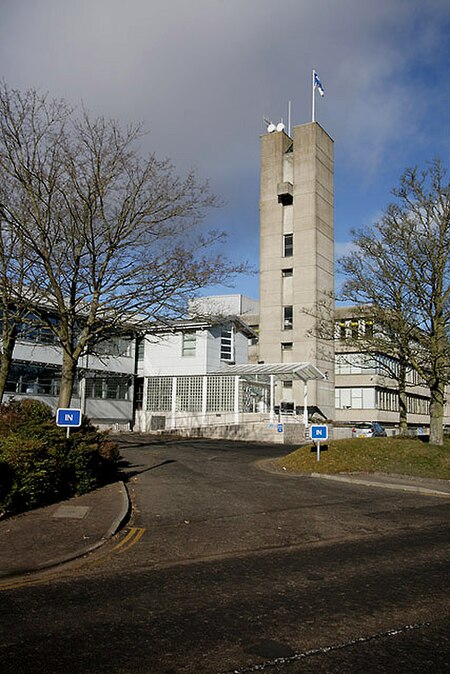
x: 228, y: 567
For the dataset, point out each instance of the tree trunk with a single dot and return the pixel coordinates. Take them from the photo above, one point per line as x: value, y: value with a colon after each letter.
x: 402, y: 400
x: 437, y: 413
x: 68, y: 374
x: 8, y: 343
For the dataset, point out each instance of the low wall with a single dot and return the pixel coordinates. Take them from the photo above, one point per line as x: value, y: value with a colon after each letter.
x: 247, y: 432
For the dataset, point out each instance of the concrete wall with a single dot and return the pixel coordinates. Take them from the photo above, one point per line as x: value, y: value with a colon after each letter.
x: 303, y: 166
x: 250, y: 432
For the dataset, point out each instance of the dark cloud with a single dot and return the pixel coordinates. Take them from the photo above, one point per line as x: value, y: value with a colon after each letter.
x: 201, y: 74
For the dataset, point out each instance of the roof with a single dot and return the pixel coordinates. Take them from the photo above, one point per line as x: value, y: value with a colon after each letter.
x: 281, y: 371
x: 200, y: 323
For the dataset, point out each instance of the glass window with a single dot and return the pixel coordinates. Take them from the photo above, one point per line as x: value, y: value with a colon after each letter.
x: 220, y: 395
x: 33, y: 379
x: 288, y: 245
x: 286, y: 346
x: 189, y: 394
x: 287, y: 272
x: 108, y: 388
x: 288, y: 318
x: 159, y: 394
x: 189, y: 344
x: 113, y: 346
x: 226, y: 344
x: 141, y: 349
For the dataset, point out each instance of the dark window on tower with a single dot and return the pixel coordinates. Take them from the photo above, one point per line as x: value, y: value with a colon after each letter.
x: 287, y: 272
x: 288, y: 318
x: 288, y: 245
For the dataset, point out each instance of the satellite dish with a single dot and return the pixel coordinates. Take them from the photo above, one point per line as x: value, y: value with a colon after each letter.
x: 280, y: 126
x: 271, y: 128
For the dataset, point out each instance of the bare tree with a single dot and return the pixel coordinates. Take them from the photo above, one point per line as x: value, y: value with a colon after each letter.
x: 113, y: 239
x: 401, y: 267
x: 361, y: 331
x: 11, y: 311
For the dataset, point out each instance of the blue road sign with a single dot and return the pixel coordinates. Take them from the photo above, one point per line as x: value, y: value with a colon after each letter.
x: 319, y: 432
x: 280, y: 428
x: 70, y: 418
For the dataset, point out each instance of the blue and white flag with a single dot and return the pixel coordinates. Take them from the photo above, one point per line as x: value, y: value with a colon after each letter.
x: 318, y: 85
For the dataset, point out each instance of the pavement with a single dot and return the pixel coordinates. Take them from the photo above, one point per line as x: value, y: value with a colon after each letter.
x: 50, y: 536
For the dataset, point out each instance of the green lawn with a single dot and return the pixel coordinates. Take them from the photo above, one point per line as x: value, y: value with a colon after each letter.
x: 402, y: 456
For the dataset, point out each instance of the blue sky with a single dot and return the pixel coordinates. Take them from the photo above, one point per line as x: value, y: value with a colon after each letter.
x: 202, y: 74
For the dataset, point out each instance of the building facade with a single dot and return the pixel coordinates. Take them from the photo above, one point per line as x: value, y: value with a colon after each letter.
x: 104, y: 389
x: 297, y: 257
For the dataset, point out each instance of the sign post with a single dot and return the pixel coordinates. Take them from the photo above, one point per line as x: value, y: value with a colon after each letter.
x: 68, y: 418
x: 319, y: 433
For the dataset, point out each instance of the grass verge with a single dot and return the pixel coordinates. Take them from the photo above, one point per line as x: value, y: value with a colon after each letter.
x: 401, y: 456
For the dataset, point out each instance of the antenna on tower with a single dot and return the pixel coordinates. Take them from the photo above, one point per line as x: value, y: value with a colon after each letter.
x: 269, y: 125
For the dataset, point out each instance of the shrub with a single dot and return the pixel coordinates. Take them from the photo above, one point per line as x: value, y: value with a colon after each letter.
x: 40, y: 465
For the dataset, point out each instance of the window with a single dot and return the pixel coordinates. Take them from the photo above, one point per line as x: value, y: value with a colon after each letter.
x: 113, y: 346
x: 189, y: 344
x: 288, y: 245
x: 288, y: 319
x: 141, y: 349
x: 108, y: 388
x: 287, y: 384
x: 33, y: 379
x: 33, y: 330
x: 139, y: 392
x: 285, y: 273
x: 226, y: 344
x: 159, y: 394
x: 189, y: 394
x: 286, y: 346
x: 368, y: 329
x: 220, y: 395
x: 254, y: 340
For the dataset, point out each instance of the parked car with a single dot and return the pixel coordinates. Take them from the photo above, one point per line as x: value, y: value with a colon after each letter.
x: 368, y: 430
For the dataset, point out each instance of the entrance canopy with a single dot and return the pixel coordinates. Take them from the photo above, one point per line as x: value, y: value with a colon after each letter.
x: 280, y: 371
x: 277, y: 371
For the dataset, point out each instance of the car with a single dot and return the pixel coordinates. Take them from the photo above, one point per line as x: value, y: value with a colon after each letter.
x: 369, y: 429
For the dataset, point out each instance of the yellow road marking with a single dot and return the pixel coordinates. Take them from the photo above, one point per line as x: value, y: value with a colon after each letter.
x: 130, y: 539
x: 45, y: 576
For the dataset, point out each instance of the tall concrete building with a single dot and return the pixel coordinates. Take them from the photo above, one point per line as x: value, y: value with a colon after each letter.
x: 297, y: 258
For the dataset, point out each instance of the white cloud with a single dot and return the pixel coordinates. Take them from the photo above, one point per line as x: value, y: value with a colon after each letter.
x: 343, y: 248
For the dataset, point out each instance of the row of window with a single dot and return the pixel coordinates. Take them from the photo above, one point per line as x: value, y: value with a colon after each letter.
x: 41, y: 380
x: 114, y: 346
x: 380, y: 399
x: 380, y: 364
x: 354, y: 328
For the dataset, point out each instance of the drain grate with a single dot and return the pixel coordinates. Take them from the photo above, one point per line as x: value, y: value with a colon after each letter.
x: 72, y: 512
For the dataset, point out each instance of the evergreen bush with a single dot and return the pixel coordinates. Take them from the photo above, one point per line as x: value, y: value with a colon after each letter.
x: 40, y: 465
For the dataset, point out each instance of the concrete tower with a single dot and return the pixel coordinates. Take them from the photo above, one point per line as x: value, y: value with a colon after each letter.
x: 297, y: 257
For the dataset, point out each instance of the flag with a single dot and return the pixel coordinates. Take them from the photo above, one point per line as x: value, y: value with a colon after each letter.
x: 318, y: 85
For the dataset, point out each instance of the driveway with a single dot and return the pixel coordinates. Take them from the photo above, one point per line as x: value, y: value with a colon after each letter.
x: 211, y: 499
x: 228, y: 568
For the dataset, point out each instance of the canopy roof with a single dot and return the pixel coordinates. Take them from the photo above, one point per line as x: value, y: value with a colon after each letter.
x: 281, y: 371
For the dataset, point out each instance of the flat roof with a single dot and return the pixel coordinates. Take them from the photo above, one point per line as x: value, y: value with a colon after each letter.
x: 281, y: 371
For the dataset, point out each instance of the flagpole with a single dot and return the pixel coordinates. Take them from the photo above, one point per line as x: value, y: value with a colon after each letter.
x: 313, y: 115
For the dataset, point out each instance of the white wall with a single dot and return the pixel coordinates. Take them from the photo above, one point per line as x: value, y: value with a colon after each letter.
x: 163, y: 356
